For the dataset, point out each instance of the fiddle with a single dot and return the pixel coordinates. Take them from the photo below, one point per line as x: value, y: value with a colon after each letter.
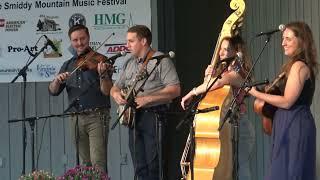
x: 89, y: 60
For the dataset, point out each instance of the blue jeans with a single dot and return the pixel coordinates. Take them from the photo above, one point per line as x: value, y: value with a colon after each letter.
x: 143, y: 143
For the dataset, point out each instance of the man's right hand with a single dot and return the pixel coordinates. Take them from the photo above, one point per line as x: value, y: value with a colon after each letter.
x: 60, y: 78
x: 57, y: 81
x: 117, y: 96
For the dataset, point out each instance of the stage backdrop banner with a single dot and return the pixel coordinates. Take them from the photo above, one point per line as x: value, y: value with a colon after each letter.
x: 25, y: 23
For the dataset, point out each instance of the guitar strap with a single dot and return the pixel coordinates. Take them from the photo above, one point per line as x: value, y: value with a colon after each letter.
x: 129, y: 113
x: 146, y: 59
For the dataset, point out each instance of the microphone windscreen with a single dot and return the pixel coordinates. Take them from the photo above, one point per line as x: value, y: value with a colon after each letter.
x: 282, y: 27
x: 172, y: 54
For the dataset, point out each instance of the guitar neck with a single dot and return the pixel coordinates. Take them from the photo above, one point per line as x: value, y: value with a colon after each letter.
x: 268, y: 89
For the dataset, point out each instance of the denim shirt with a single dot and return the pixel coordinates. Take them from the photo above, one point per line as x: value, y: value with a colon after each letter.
x: 83, y: 88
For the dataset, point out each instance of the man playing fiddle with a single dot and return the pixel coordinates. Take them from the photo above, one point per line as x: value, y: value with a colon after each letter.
x: 86, y: 93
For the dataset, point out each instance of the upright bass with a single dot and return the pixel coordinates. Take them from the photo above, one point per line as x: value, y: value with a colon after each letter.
x: 212, y: 155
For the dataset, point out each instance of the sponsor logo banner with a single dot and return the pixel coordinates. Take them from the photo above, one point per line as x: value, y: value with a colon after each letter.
x: 77, y: 19
x: 24, y: 22
x: 14, y: 25
x: 46, y: 70
x: 48, y: 25
x: 50, y: 53
x: 112, y: 21
x: 116, y: 48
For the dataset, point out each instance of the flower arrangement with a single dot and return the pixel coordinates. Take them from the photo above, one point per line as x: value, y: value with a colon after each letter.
x: 38, y: 175
x: 84, y: 173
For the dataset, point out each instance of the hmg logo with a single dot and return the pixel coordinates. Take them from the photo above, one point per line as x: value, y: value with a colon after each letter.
x: 112, y: 21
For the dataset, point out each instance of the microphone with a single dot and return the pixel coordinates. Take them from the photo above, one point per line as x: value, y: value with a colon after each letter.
x: 170, y: 54
x: 257, y: 83
x: 268, y: 33
x: 50, y: 43
x: 230, y: 59
x: 113, y: 58
x: 205, y: 110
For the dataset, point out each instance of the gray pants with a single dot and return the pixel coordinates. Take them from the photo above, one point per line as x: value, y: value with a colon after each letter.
x: 92, y: 141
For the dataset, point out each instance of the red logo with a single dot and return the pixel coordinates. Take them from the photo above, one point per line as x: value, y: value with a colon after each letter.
x: 2, y: 22
x: 115, y: 48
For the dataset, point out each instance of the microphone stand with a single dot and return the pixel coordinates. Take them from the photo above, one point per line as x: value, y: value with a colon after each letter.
x: 191, y: 111
x: 32, y: 120
x: 234, y: 120
x: 23, y: 73
x: 75, y: 103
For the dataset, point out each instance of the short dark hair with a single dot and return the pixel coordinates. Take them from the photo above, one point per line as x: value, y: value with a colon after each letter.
x: 77, y: 28
x: 142, y: 32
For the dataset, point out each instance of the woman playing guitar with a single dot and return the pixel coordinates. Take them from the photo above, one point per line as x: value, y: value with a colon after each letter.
x: 293, y: 147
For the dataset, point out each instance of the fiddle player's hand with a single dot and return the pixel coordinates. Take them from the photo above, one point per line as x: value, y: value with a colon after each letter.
x: 185, y: 101
x: 102, y: 68
x: 252, y: 90
x: 210, y: 70
x: 60, y: 78
x: 117, y: 96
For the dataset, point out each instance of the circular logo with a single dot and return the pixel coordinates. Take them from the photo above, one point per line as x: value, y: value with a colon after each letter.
x: 76, y: 19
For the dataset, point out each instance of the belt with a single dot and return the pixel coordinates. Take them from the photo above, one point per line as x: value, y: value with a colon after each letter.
x: 92, y: 110
x: 97, y: 109
x: 158, y: 108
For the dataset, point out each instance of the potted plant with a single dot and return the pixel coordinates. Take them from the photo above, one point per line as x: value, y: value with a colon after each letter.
x: 84, y: 172
x: 38, y: 175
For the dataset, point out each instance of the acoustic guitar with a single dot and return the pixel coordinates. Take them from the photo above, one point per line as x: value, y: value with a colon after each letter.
x: 128, y: 115
x: 266, y: 110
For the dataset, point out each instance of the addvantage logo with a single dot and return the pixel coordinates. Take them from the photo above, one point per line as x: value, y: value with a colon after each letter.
x: 116, y: 48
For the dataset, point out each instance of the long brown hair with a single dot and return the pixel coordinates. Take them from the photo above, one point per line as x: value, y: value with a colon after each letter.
x: 237, y: 44
x: 306, y: 48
